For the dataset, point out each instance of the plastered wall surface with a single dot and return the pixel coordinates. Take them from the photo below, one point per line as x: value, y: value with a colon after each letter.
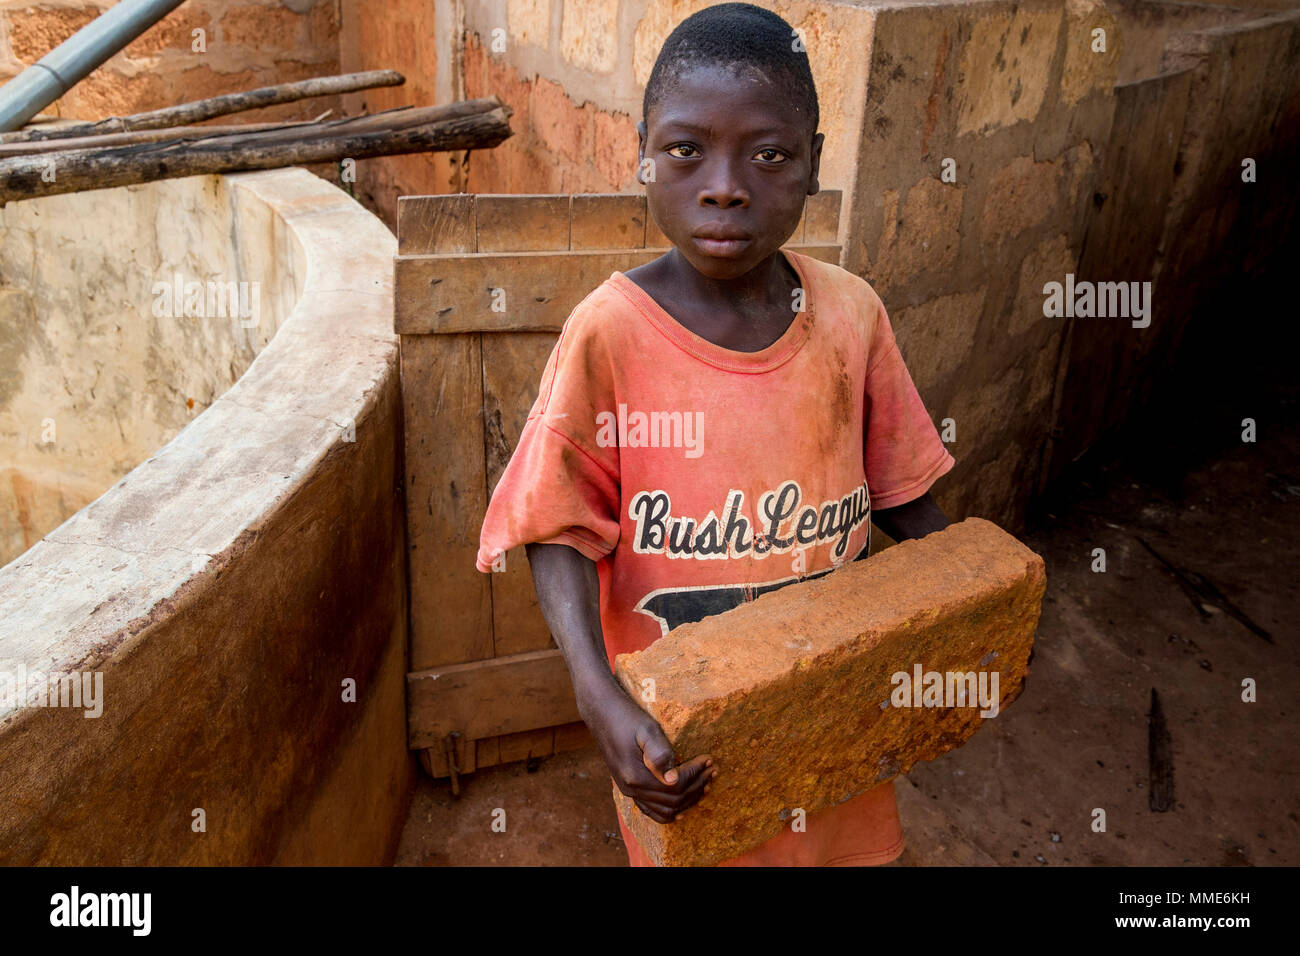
x: 121, y: 326
x: 238, y: 599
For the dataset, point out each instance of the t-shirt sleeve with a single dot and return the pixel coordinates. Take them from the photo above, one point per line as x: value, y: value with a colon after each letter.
x: 560, y: 485
x: 902, y: 452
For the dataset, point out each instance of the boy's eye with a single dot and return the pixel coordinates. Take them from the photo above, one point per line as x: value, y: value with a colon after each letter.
x: 690, y: 150
x: 769, y: 155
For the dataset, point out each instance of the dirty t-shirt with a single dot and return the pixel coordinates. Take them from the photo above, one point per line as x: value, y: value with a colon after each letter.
x: 698, y: 477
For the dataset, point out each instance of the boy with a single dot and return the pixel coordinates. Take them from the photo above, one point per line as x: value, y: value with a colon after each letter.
x: 726, y: 419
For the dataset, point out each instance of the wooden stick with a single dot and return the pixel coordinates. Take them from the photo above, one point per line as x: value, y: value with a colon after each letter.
x: 199, y: 110
x: 140, y: 136
x: 1160, y: 759
x: 476, y: 124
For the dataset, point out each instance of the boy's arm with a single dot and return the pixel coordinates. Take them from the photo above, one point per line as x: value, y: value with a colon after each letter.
x: 639, y: 756
x: 912, y: 519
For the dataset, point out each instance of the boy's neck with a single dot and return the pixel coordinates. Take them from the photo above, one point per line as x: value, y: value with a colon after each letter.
x: 745, y: 314
x: 765, y: 286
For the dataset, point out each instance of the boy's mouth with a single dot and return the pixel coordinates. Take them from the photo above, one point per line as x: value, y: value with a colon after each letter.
x: 717, y: 239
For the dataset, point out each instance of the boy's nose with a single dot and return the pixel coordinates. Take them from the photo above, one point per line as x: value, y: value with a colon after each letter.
x: 724, y: 189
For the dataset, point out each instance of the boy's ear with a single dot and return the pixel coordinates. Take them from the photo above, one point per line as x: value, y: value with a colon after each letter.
x: 813, y: 186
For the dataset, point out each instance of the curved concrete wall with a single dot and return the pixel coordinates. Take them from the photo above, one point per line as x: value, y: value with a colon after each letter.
x: 102, y: 362
x: 240, y: 595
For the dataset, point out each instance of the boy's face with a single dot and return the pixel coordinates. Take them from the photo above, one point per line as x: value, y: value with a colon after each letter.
x: 731, y: 159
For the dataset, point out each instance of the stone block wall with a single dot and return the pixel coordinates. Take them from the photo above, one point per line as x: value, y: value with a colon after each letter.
x: 979, y: 153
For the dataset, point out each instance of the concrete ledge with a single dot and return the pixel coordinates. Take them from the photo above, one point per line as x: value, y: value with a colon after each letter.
x: 228, y: 589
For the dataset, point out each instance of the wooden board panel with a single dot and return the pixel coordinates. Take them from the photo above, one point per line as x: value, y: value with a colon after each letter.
x: 610, y: 221
x: 488, y: 752
x: 531, y: 743
x: 654, y: 238
x: 826, y: 252
x: 434, y: 758
x: 821, y: 217
x: 512, y: 370
x: 574, y: 736
x: 520, y: 223
x: 432, y: 224
x: 488, y: 698
x: 466, y: 397
x: 507, y: 292
x: 449, y: 294
x: 567, y: 737
x: 446, y: 498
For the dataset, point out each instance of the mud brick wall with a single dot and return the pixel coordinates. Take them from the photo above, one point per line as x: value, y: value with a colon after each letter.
x: 574, y: 72
x: 790, y: 693
x: 1042, y: 132
x: 249, y: 43
x: 979, y: 153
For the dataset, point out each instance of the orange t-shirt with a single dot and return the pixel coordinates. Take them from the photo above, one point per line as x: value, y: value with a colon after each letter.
x: 697, y: 477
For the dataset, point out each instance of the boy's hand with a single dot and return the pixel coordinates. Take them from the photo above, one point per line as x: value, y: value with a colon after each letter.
x: 640, y: 760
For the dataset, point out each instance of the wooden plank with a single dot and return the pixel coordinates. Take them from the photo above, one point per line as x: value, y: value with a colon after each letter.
x: 446, y: 498
x: 822, y: 217
x: 1160, y: 759
x: 506, y: 292
x: 493, y: 751
x: 826, y: 252
x: 609, y: 221
x: 574, y: 736
x: 488, y: 752
x: 654, y: 239
x: 538, y: 290
x: 512, y: 371
x: 434, y: 759
x: 488, y: 698
x: 517, y: 223
x: 500, y: 293
x: 531, y: 743
x: 435, y: 224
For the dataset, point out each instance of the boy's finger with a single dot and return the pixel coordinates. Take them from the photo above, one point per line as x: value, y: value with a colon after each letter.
x: 692, y: 783
x: 691, y: 773
x: 686, y: 777
x: 673, y: 804
x: 657, y: 755
x: 654, y: 814
x: 658, y: 804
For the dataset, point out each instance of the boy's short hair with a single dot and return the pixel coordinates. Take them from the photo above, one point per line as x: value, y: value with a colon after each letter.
x: 732, y: 35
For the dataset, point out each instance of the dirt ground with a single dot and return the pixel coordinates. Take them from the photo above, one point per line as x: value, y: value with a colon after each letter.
x: 1198, y: 594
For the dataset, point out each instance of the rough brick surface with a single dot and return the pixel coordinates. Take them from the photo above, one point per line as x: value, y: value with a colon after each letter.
x: 786, y: 692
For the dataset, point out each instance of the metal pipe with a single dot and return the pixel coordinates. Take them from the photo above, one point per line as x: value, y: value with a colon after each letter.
x: 67, y: 64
